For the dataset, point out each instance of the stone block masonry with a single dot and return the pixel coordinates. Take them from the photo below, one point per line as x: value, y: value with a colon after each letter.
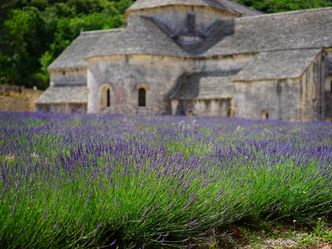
x: 18, y: 99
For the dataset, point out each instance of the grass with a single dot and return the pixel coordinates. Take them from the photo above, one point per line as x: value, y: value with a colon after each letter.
x: 106, y: 182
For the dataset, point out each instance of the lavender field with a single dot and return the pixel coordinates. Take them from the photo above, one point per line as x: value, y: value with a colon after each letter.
x: 80, y: 181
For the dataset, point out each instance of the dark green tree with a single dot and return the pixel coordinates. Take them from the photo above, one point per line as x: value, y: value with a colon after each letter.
x: 273, y: 6
x: 35, y: 32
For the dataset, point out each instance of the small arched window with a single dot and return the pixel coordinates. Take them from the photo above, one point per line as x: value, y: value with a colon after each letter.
x: 331, y: 86
x: 108, y: 96
x: 265, y: 115
x: 141, y: 97
x: 105, y: 97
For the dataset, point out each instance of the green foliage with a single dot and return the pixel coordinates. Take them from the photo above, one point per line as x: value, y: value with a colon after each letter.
x: 76, y: 210
x: 23, y: 27
x: 273, y: 6
x: 35, y: 32
x: 63, y: 187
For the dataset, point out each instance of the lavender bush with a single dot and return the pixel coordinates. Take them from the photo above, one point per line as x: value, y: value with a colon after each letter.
x: 130, y: 182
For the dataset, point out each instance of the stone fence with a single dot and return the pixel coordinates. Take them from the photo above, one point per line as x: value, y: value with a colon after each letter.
x: 18, y: 98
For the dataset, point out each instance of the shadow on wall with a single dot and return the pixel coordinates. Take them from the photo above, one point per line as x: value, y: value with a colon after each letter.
x: 18, y: 99
x: 187, y: 85
x: 197, y: 40
x: 194, y: 96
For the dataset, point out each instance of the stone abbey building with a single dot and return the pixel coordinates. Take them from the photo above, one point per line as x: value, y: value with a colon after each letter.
x: 199, y: 57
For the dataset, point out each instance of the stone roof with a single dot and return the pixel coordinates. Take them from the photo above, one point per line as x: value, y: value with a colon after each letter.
x: 73, y: 56
x: 289, y: 30
x: 278, y: 65
x: 215, y: 85
x: 148, y: 4
x: 57, y: 95
x: 267, y: 65
x: 224, y: 5
x: 284, y: 31
x: 141, y: 36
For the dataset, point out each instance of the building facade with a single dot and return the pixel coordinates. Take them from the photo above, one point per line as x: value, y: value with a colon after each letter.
x: 198, y: 57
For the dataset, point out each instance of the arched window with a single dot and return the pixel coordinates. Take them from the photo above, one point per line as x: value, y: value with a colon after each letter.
x: 108, y: 96
x: 105, y: 97
x: 141, y: 97
x: 265, y: 115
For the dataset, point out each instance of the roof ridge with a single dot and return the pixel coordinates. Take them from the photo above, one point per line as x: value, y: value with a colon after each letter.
x: 101, y: 31
x: 142, y: 4
x: 295, y: 12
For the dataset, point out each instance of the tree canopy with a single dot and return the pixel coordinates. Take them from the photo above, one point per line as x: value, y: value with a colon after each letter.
x: 274, y: 6
x: 34, y: 32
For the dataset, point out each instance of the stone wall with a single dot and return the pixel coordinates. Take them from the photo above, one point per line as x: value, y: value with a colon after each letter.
x: 62, y: 108
x: 268, y: 99
x: 299, y: 99
x: 158, y: 75
x: 202, y: 107
x: 68, y: 77
x: 18, y: 99
x: 329, y: 62
x: 328, y: 86
x: 126, y: 74
x: 328, y: 106
x: 312, y: 91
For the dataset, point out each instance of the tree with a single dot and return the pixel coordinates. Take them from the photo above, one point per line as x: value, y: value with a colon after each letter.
x: 35, y: 32
x: 273, y: 6
x: 25, y: 33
